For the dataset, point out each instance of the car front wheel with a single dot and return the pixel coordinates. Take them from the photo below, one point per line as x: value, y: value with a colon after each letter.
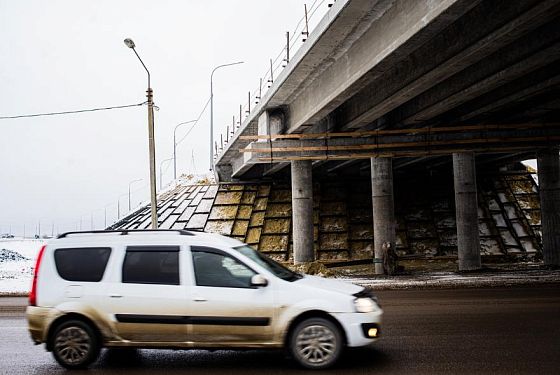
x: 316, y: 343
x: 74, y: 344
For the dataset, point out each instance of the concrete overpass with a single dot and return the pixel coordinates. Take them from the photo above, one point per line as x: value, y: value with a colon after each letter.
x: 392, y: 84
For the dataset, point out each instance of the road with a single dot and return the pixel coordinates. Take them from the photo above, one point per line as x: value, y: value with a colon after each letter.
x: 512, y: 330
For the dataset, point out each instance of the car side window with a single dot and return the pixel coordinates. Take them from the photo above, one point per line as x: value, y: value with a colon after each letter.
x: 215, y: 268
x: 82, y: 264
x: 151, y: 265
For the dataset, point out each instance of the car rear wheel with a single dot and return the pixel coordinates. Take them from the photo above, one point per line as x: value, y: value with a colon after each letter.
x: 74, y: 344
x: 316, y: 343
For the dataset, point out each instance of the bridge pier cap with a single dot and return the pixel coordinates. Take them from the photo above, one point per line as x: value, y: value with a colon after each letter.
x: 270, y: 123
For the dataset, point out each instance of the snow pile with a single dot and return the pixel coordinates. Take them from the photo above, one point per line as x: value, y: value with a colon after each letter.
x: 9, y: 255
x: 17, y: 260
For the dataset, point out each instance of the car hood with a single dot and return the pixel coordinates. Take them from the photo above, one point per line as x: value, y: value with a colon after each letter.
x: 329, y: 284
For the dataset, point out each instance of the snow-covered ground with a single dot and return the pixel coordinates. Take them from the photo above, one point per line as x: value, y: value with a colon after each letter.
x: 17, y: 259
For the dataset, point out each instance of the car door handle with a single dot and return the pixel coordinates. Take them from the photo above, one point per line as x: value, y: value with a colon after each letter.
x: 200, y: 299
x: 115, y: 296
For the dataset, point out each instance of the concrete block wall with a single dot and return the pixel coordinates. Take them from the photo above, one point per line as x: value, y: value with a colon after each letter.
x: 261, y: 215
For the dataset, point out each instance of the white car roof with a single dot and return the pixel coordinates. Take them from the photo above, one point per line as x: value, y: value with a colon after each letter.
x: 142, y: 237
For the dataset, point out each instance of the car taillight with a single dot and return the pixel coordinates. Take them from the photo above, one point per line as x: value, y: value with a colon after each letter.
x: 33, y: 293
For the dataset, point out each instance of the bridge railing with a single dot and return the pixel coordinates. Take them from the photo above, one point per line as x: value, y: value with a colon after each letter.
x: 294, y: 40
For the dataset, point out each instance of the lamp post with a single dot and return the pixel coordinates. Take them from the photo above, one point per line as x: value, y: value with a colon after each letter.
x: 105, y: 214
x: 175, y: 147
x: 119, y: 206
x: 160, y: 175
x: 130, y: 184
x: 153, y: 199
x: 212, y: 108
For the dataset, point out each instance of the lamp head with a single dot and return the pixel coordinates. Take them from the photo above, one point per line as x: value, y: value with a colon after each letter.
x: 129, y: 43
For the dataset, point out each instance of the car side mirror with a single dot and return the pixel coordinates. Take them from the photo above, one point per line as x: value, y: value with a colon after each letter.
x: 258, y: 281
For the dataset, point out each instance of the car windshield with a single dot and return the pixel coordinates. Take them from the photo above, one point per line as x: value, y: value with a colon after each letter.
x: 270, y: 265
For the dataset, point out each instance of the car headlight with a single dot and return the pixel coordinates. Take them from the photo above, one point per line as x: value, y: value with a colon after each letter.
x: 364, y: 305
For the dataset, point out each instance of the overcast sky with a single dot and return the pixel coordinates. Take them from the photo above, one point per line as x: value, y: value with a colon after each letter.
x: 69, y: 55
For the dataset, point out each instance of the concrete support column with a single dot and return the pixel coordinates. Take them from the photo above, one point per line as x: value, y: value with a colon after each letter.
x: 466, y: 211
x: 548, y: 164
x: 270, y: 123
x: 302, y: 211
x: 383, y: 207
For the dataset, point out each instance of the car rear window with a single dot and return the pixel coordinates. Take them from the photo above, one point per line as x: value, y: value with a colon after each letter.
x: 82, y: 264
x: 151, y: 265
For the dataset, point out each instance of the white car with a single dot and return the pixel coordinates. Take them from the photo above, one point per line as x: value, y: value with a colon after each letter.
x: 182, y: 289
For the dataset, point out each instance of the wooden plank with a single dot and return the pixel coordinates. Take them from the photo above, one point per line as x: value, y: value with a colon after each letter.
x: 429, y: 129
x: 367, y: 155
x: 400, y: 144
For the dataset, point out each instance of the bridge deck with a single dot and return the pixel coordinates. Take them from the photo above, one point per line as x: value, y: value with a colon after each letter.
x: 397, y: 64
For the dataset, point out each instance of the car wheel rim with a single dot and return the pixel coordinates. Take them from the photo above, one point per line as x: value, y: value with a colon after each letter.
x: 316, y: 344
x: 72, y: 345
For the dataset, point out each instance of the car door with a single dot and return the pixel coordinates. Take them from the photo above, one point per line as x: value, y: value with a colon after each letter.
x: 147, y: 300
x: 225, y: 308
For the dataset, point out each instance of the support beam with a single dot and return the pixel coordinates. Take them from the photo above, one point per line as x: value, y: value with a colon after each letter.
x: 302, y: 211
x: 383, y: 208
x: 532, y: 51
x: 426, y: 141
x: 446, y: 54
x: 466, y: 211
x: 549, y: 187
x: 389, y: 31
x: 344, y: 164
x: 272, y: 169
x: 510, y: 95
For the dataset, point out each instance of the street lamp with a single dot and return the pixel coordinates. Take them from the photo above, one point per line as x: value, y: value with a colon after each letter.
x: 129, y: 184
x: 119, y: 206
x: 105, y: 214
x: 212, y: 108
x: 149, y: 93
x: 175, y: 147
x: 160, y: 176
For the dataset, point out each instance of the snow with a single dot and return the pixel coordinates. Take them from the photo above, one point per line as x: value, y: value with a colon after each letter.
x: 17, y: 260
x: 531, y: 163
x: 443, y: 279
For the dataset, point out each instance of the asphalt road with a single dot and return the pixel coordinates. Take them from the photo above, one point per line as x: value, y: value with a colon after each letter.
x: 463, y: 331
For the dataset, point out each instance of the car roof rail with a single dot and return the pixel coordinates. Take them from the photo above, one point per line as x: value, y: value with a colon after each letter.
x: 125, y: 232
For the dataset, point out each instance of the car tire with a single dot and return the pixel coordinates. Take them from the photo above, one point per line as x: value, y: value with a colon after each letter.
x: 74, y: 344
x: 316, y: 343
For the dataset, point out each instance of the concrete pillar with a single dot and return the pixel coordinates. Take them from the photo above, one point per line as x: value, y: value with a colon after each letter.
x: 270, y: 123
x: 383, y: 208
x: 548, y: 164
x: 466, y: 211
x: 302, y: 211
